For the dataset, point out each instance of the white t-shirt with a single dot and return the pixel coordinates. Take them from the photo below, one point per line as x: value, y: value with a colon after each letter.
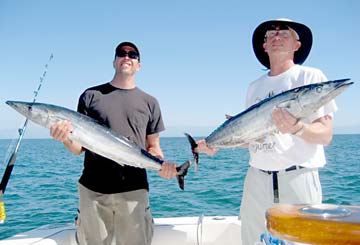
x: 279, y: 151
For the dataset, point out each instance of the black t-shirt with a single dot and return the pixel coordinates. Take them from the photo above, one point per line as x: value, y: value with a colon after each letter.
x: 131, y: 113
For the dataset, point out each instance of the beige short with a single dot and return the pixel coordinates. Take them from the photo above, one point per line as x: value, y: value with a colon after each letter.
x: 295, y: 187
x: 121, y: 218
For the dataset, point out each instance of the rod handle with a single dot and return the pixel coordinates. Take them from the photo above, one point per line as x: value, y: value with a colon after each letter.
x: 2, y: 213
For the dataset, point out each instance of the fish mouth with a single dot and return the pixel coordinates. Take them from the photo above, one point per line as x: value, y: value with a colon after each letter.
x: 343, y: 83
x: 340, y: 86
x: 10, y: 102
x: 20, y: 106
x: 13, y: 104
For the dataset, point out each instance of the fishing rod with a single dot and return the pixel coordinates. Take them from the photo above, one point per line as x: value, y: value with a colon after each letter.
x: 12, y: 159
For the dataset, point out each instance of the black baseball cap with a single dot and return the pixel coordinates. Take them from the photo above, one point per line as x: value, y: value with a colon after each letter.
x: 129, y: 44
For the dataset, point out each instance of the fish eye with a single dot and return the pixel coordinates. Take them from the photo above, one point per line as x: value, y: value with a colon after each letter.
x: 30, y: 108
x: 318, y: 89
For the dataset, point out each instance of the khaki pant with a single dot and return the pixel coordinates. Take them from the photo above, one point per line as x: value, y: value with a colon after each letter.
x: 300, y: 186
x: 121, y: 218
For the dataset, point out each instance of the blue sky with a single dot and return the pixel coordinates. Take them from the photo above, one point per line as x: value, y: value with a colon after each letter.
x: 197, y: 58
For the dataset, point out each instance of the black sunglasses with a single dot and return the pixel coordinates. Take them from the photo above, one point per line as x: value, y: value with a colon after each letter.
x: 130, y: 54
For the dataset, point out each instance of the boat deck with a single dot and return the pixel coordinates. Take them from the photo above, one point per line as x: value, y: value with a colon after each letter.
x: 204, y: 230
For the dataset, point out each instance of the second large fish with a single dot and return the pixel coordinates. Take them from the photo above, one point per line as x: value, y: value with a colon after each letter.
x: 95, y: 137
x: 256, y: 121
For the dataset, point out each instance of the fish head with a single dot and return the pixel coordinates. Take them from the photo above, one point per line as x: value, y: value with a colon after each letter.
x: 36, y: 112
x: 313, y: 96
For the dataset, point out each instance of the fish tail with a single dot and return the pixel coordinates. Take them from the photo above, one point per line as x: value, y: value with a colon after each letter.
x: 193, y: 146
x: 181, y: 173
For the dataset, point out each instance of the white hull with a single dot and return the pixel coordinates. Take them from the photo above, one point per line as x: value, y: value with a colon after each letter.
x: 208, y: 230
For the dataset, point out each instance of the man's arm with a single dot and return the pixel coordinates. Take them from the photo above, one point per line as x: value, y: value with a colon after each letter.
x: 318, y: 132
x: 153, y: 145
x: 168, y: 170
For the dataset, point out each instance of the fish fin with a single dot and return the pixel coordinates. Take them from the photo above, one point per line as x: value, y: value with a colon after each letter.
x: 193, y: 146
x: 181, y: 173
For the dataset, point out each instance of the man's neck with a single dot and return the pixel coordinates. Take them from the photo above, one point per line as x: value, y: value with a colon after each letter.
x: 278, y: 67
x: 123, y: 81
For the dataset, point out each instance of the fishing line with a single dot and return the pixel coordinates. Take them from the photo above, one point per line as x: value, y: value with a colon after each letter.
x: 12, y: 159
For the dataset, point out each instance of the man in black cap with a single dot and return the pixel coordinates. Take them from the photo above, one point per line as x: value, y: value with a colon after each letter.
x: 283, y: 166
x: 113, y: 199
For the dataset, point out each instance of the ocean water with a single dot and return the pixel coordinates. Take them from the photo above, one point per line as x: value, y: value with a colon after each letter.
x: 43, y: 186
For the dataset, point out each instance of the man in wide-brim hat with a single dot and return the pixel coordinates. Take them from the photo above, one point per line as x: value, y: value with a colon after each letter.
x: 302, y: 32
x: 284, y: 165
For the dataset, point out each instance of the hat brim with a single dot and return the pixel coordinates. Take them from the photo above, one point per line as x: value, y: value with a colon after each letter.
x: 305, y: 37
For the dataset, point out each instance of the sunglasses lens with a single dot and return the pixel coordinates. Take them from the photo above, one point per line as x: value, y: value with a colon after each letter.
x: 121, y: 53
x: 130, y: 54
x: 133, y: 55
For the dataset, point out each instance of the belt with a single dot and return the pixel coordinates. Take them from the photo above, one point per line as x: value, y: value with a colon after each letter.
x: 275, y: 179
x: 292, y: 168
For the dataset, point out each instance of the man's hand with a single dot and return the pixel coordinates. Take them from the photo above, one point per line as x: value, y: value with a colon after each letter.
x: 285, y: 122
x: 202, y: 147
x: 168, y: 170
x: 61, y: 130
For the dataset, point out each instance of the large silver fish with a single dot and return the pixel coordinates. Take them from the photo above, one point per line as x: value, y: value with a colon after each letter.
x: 256, y: 121
x: 95, y: 137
